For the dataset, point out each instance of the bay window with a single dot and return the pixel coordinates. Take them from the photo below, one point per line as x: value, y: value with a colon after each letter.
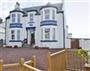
x: 41, y: 33
x: 47, y: 14
x: 18, y: 18
x: 13, y: 17
x: 12, y: 34
x: 47, y: 33
x: 53, y: 14
x: 53, y: 36
x: 18, y: 34
x: 31, y: 17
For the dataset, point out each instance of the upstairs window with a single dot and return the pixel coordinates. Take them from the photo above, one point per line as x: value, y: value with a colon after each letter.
x: 47, y: 33
x: 12, y: 34
x: 47, y: 14
x: 13, y: 17
x: 18, y: 18
x: 18, y: 34
x: 53, y: 14
x: 31, y: 17
x: 41, y: 15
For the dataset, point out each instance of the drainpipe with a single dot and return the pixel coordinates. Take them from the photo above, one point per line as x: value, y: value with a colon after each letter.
x: 63, y: 24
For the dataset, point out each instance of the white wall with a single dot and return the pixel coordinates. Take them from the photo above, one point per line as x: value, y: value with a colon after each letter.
x: 85, y: 43
x: 2, y: 31
x: 37, y: 20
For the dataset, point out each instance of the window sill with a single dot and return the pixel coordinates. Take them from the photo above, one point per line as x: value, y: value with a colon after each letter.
x: 15, y: 40
x: 48, y: 40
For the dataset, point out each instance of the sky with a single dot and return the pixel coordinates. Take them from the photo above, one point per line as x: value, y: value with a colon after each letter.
x: 77, y: 13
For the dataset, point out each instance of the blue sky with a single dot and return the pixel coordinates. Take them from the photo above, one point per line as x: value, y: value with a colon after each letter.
x: 76, y: 13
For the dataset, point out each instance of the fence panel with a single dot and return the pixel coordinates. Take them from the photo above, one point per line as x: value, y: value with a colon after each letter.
x: 57, y: 61
x: 73, y: 62
x: 21, y: 66
x: 28, y: 66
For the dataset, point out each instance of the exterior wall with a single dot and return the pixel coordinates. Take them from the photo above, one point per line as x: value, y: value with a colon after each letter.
x: 2, y: 31
x: 80, y: 43
x: 67, y: 40
x: 59, y: 31
x: 85, y: 43
x: 9, y: 41
x: 7, y: 31
x: 57, y: 43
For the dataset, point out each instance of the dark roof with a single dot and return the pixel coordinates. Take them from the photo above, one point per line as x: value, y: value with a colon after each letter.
x: 58, y: 6
x: 17, y: 11
x: 38, y: 8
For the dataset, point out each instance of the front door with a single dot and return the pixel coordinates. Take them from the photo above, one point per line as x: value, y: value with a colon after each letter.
x: 32, y: 39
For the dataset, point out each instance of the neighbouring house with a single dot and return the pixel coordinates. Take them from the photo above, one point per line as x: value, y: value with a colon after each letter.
x: 83, y: 43
x: 2, y: 33
x: 42, y: 26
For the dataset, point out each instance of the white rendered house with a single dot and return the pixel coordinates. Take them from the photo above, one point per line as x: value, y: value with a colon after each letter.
x: 41, y: 26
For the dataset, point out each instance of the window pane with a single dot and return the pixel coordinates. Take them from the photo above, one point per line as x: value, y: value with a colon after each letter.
x: 13, y: 17
x: 53, y: 14
x: 18, y: 18
x: 47, y: 33
x: 41, y: 15
x: 53, y: 33
x: 41, y: 33
x: 12, y: 34
x: 31, y: 17
x: 47, y: 14
x: 18, y: 34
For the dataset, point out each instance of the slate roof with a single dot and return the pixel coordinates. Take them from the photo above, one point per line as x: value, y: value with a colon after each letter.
x: 58, y: 6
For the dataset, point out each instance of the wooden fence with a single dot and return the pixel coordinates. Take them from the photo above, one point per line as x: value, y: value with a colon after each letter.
x: 74, y: 62
x: 57, y: 61
x: 21, y: 66
x: 65, y: 60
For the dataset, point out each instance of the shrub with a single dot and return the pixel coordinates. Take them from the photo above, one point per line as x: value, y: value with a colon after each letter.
x: 36, y: 47
x: 15, y: 46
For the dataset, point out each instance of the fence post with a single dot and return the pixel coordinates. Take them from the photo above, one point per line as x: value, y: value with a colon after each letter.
x: 1, y: 65
x: 49, y: 61
x: 21, y: 62
x: 34, y: 61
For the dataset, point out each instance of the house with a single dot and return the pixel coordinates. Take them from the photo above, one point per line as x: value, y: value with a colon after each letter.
x: 83, y: 43
x: 2, y: 33
x: 42, y: 26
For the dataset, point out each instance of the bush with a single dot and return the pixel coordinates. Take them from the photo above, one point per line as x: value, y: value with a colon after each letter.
x: 36, y: 47
x: 82, y: 53
x: 8, y: 46
x: 15, y: 46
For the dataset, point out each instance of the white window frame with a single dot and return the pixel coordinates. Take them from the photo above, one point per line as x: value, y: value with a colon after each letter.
x: 47, y: 33
x: 13, y: 17
x: 12, y: 34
